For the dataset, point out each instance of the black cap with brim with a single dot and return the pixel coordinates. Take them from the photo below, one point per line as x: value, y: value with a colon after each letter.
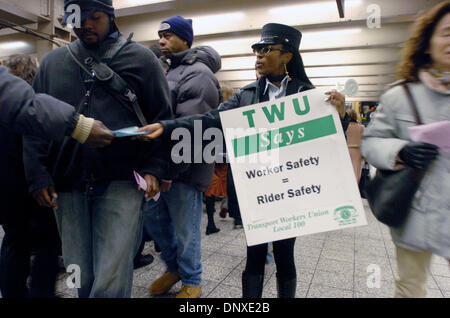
x: 274, y: 33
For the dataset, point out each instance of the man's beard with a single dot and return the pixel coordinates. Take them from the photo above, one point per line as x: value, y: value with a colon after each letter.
x: 87, y: 43
x: 91, y: 45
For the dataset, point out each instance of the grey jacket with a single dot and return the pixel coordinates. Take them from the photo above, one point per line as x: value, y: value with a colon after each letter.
x: 24, y: 112
x: 428, y: 224
x: 194, y: 90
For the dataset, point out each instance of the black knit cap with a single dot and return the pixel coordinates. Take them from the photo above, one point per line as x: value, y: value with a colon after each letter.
x: 87, y: 8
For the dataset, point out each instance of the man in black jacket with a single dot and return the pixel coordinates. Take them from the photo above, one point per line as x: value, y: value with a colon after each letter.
x: 174, y: 221
x: 29, y: 228
x: 24, y: 112
x: 96, y: 200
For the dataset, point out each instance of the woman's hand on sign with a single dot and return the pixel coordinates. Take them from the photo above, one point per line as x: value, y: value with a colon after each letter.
x: 337, y: 100
x: 155, y: 130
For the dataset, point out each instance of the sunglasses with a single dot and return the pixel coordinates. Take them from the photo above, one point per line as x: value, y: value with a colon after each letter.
x: 265, y: 50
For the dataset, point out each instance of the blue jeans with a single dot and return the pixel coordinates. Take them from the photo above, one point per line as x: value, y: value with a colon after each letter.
x: 101, y: 229
x: 174, y: 224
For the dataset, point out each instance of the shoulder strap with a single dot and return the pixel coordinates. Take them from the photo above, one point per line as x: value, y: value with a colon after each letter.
x: 412, y: 104
x: 101, y: 72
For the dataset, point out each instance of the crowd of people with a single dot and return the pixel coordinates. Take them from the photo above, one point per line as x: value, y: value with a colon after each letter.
x: 68, y: 180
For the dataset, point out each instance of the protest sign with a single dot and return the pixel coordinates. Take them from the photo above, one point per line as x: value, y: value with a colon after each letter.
x: 291, y: 168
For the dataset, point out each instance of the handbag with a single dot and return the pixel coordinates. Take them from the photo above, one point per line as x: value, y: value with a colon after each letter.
x: 390, y: 193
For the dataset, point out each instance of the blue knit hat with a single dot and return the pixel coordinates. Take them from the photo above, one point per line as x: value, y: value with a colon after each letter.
x: 179, y: 26
x: 87, y: 8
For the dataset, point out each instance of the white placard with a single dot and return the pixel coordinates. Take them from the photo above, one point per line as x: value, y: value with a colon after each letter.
x: 291, y: 168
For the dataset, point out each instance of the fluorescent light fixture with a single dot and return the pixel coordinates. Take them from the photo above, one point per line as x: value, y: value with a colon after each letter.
x: 208, y: 20
x: 15, y: 45
x: 333, y: 33
x: 303, y: 8
x: 241, y: 41
x: 352, y: 3
x: 312, y: 8
x: 120, y: 4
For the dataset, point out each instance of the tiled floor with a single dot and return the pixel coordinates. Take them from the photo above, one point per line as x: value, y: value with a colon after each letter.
x: 333, y: 264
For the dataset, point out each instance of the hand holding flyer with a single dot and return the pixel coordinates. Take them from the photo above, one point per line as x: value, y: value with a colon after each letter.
x: 128, y: 132
x: 143, y: 184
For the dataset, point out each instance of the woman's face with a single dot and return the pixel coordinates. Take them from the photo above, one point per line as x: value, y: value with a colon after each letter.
x: 440, y: 44
x: 273, y: 62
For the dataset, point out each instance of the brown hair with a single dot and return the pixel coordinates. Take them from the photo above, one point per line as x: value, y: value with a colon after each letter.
x: 23, y: 66
x: 414, y: 53
x: 354, y: 115
x: 227, y: 91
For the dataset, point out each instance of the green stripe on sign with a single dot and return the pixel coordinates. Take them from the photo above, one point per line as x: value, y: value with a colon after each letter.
x: 285, y: 136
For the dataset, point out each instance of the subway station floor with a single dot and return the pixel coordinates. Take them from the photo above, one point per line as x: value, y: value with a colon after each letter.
x: 329, y: 265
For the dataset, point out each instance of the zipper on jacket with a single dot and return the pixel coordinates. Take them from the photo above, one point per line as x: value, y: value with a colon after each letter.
x: 87, y: 102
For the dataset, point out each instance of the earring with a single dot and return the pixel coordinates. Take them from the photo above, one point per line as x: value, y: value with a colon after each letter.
x: 286, y: 72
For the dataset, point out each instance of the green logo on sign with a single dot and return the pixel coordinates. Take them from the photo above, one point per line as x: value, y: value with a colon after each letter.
x: 285, y: 136
x: 346, y: 215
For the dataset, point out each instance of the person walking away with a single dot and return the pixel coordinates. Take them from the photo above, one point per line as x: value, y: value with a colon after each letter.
x: 29, y: 228
x: 425, y: 68
x: 354, y: 134
x: 218, y: 186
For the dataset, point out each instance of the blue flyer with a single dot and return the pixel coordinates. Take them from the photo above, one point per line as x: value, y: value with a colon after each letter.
x: 130, y: 131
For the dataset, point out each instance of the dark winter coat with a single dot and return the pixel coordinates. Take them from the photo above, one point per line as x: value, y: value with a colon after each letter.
x: 76, y: 165
x: 194, y: 90
x: 22, y: 111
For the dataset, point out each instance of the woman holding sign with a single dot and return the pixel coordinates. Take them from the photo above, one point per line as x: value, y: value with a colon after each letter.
x: 282, y: 73
x: 389, y: 143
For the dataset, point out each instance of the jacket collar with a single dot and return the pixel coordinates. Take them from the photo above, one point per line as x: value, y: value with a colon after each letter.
x: 283, y: 85
x: 185, y: 57
x: 433, y: 83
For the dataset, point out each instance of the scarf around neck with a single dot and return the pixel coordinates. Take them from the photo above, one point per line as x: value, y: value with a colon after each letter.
x: 435, y: 80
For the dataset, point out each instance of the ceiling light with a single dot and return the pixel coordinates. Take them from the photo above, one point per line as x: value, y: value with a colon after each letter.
x: 205, y: 22
x: 333, y: 33
x: 120, y: 4
x: 352, y: 3
x: 15, y: 45
x: 240, y: 41
x: 307, y: 9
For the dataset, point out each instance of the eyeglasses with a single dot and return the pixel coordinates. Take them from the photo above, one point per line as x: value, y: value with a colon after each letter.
x: 265, y: 50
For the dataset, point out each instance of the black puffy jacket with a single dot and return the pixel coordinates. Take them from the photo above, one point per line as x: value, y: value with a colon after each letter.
x: 25, y: 112
x: 194, y: 90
